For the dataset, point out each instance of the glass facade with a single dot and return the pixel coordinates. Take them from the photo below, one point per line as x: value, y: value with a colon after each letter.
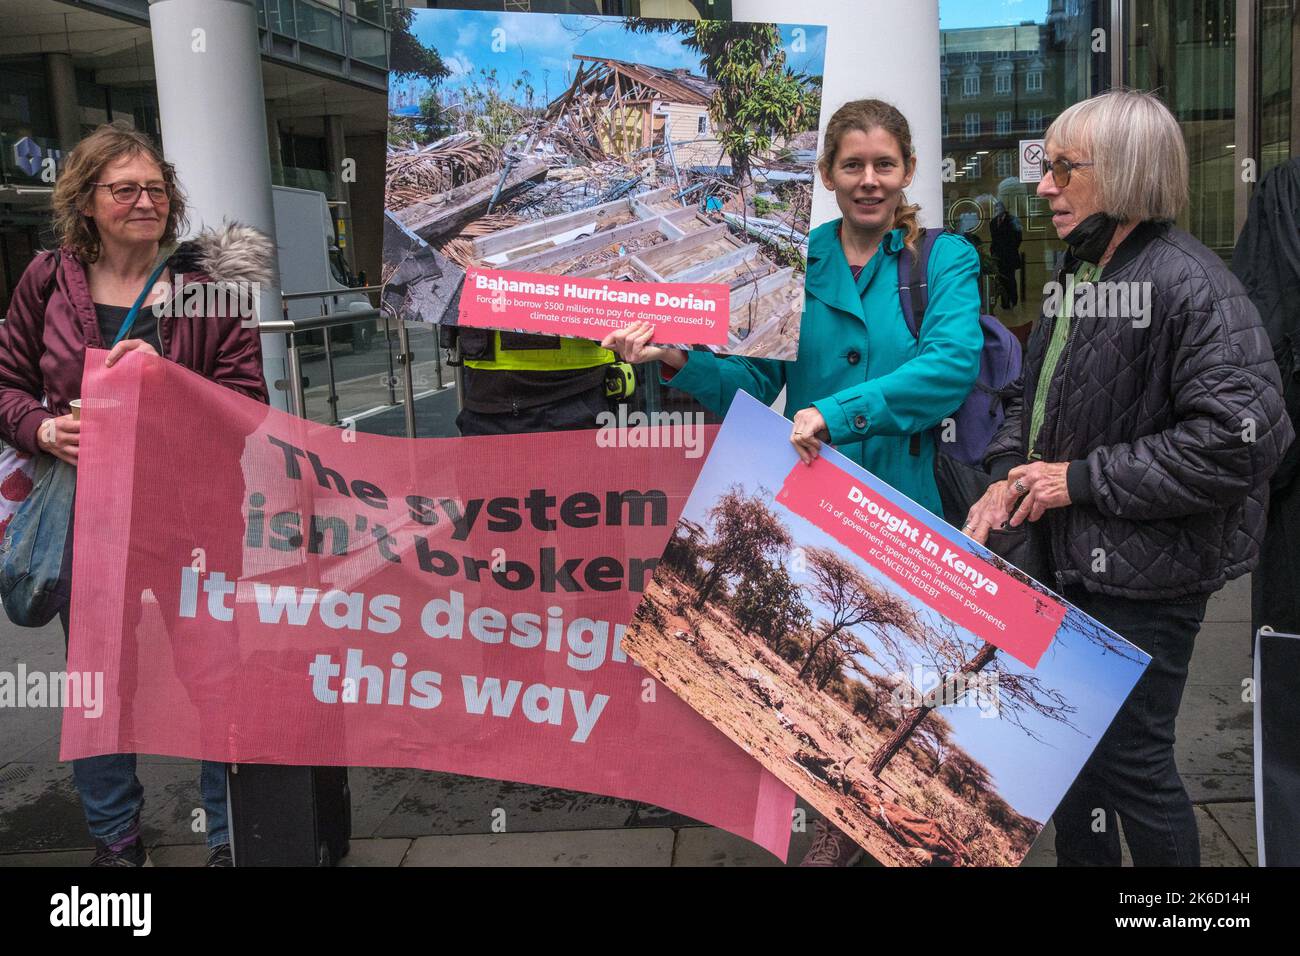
x: 278, y: 16
x: 1002, y: 83
x: 1276, y: 55
x: 1188, y: 53
x: 1005, y: 81
x: 356, y: 28
x: 319, y: 24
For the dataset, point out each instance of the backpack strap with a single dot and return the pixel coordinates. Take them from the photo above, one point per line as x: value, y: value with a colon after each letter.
x: 914, y: 281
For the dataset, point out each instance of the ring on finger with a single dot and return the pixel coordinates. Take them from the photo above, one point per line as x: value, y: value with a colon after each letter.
x: 1020, y: 486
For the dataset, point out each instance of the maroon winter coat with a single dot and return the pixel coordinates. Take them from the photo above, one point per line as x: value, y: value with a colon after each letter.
x: 44, y: 338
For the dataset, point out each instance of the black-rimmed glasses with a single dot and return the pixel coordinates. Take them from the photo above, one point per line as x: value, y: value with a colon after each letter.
x: 128, y: 193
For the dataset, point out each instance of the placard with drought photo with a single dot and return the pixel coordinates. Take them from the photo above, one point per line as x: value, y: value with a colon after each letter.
x: 566, y: 174
x: 930, y: 699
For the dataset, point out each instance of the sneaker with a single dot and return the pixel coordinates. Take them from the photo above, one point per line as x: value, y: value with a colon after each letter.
x: 220, y: 855
x: 131, y: 853
x: 830, y: 847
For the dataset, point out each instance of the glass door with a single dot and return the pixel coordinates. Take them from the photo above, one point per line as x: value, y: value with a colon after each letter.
x: 1005, y: 73
x: 1279, y: 111
x: 1186, y: 52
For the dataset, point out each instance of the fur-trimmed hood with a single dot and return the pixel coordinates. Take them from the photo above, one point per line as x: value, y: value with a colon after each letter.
x: 233, y: 252
x: 52, y: 321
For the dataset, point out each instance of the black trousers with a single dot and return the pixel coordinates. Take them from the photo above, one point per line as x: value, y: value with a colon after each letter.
x: 567, y: 414
x: 1131, y: 777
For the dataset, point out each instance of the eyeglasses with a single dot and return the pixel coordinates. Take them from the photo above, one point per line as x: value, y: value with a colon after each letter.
x: 1059, y: 170
x: 128, y: 193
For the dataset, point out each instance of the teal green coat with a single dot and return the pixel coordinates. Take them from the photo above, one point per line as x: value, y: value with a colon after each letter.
x: 897, y: 386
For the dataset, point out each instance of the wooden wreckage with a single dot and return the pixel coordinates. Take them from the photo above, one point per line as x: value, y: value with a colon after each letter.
x: 647, y: 237
x: 612, y: 113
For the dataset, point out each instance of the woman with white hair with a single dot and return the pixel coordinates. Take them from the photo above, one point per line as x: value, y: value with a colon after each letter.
x: 1139, y: 450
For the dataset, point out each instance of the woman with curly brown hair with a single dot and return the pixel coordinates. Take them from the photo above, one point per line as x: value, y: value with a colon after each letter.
x: 118, y: 213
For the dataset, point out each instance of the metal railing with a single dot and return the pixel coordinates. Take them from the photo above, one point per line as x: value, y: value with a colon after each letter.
x: 324, y: 322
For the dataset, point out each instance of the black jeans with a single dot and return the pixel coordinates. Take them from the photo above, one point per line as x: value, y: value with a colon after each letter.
x: 1131, y: 775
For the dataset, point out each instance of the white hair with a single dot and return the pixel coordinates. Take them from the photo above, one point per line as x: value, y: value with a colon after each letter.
x: 1137, y: 151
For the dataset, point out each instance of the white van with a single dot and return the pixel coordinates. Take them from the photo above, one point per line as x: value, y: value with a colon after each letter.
x: 311, y: 261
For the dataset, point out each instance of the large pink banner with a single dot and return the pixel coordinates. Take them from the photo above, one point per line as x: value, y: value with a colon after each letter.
x: 262, y: 589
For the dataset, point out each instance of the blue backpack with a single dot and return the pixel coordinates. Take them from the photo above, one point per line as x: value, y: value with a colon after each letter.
x: 980, y: 415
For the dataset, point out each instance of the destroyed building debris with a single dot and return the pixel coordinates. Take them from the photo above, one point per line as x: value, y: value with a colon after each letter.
x: 618, y: 178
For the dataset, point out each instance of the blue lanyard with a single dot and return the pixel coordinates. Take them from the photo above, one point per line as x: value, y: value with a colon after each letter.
x: 129, y: 321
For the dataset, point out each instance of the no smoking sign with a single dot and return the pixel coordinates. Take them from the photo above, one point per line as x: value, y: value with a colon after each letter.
x: 1031, y: 160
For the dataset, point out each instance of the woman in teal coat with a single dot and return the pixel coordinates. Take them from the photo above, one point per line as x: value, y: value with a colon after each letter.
x: 862, y: 381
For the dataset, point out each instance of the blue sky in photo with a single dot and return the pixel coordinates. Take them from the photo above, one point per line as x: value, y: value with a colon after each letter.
x: 955, y: 14
x: 753, y: 449
x: 544, y: 45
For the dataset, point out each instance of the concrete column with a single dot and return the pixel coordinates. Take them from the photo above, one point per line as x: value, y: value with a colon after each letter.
x: 882, y: 50
x: 336, y: 151
x: 212, y: 109
x: 61, y: 82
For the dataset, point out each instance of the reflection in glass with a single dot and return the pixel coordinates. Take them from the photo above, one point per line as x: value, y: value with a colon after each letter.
x: 1003, y: 80
x: 1190, y: 61
x: 1279, y: 32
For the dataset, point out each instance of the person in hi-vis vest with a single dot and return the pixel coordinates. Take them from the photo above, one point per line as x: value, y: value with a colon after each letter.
x: 517, y: 382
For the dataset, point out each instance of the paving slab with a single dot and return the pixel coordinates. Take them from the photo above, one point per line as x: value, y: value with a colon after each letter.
x: 709, y: 846
x: 76, y: 858
x: 46, y: 747
x: 188, y: 855
x: 376, y: 853
x: 37, y: 650
x: 1238, y: 822
x: 1215, y: 732
x: 1221, y: 655
x: 376, y: 793
x: 445, y: 804
x: 1219, y: 787
x: 646, y: 815
x: 171, y: 797
x: 40, y: 809
x: 642, y: 847
x: 1217, y: 848
x: 1231, y: 602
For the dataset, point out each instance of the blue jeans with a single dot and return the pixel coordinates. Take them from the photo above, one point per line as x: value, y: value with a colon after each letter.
x: 111, y: 795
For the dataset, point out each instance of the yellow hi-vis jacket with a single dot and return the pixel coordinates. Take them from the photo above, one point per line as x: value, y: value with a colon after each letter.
x: 569, y: 355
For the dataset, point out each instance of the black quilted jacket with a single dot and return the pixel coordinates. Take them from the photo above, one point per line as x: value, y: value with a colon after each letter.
x: 1171, y: 430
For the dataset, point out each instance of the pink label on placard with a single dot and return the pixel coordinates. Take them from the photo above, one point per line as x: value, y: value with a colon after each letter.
x: 955, y: 582
x: 689, y: 313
